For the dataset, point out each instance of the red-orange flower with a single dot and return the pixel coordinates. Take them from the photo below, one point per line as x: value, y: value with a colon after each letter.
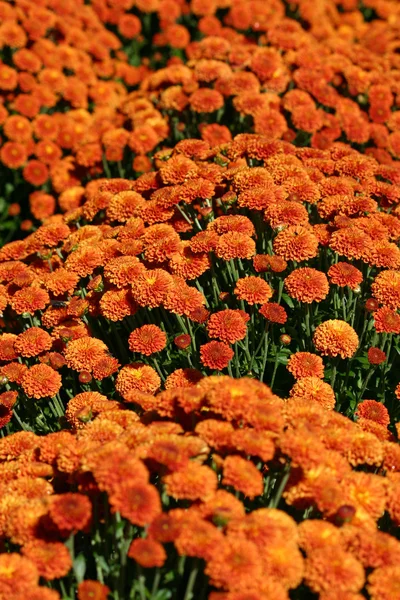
x: 147, y: 340
x: 273, y: 312
x: 227, y: 325
x: 296, y: 243
x: 386, y: 288
x: 253, y: 289
x: 374, y: 411
x: 305, y: 364
x: 147, y: 553
x: 92, y: 590
x: 41, y: 381
x: 71, y: 512
x: 386, y: 320
x: 376, y: 356
x: 216, y: 355
x: 137, y: 377
x: 307, y: 285
x: 32, y: 342
x: 343, y: 274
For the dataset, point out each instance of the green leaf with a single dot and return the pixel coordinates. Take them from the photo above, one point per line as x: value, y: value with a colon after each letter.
x: 288, y: 300
x: 80, y: 567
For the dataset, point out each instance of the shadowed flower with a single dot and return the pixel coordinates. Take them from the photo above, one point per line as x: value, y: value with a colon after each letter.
x: 147, y: 553
x: 216, y: 355
x: 273, y: 312
x: 386, y: 320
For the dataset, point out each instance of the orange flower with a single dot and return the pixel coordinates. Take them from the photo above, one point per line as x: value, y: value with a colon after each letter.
x: 343, y: 274
x: 182, y: 298
x: 235, y: 245
x: 336, y: 338
x: 386, y: 288
x: 13, y: 155
x: 182, y: 378
x: 315, y: 390
x: 307, y: 285
x: 35, y: 172
x: 116, y: 304
x: 52, y: 559
x: 18, y: 575
x: 83, y: 353
x: 138, y: 502
x: 129, y: 26
x: 376, y: 356
x: 243, y: 476
x: 8, y: 78
x: 384, y: 583
x: 147, y: 553
x: 206, y: 100
x: 137, y: 376
x: 70, y: 512
x: 41, y: 381
x: 147, y: 340
x: 7, y: 350
x: 305, y: 364
x: 32, y: 342
x: 235, y: 564
x: 227, y: 325
x: 193, y: 482
x: 374, y: 411
x: 273, y: 312
x: 339, y: 571
x: 386, y: 320
x: 253, y: 289
x: 216, y: 355
x: 183, y: 341
x: 151, y: 288
x: 92, y: 590
x: 296, y: 243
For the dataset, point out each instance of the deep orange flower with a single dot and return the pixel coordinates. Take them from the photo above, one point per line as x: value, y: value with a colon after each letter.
x: 376, y: 356
x: 182, y: 298
x: 253, y: 289
x: 183, y: 341
x: 235, y: 564
x: 151, y: 288
x: 71, y: 512
x: 343, y: 274
x: 384, y: 583
x: 305, y: 364
x: 13, y: 155
x: 296, y: 243
x: 35, y: 172
x: 315, y: 390
x: 206, y: 100
x: 7, y: 350
x: 182, y: 378
x: 193, y: 482
x: 374, y: 411
x: 52, y: 559
x: 227, y: 325
x: 138, y: 502
x: 273, y: 312
x: 147, y: 553
x: 336, y: 338
x: 340, y: 571
x: 18, y: 575
x: 147, y: 340
x: 117, y: 304
x: 235, y: 245
x: 386, y: 288
x: 83, y: 353
x: 216, y: 355
x: 243, y: 476
x: 32, y: 342
x: 137, y: 376
x: 386, y: 320
x: 129, y: 26
x: 307, y: 285
x: 92, y: 590
x: 41, y: 381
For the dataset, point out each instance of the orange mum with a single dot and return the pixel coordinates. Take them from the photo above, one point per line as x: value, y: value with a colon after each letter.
x: 216, y: 355
x: 137, y: 377
x: 253, y: 289
x: 82, y: 354
x: 273, y: 312
x: 92, y: 590
x: 32, y: 342
x: 296, y: 243
x: 374, y: 411
x: 307, y: 285
x: 235, y: 245
x: 305, y: 364
x: 147, y: 553
x: 386, y: 288
x: 386, y: 320
x: 315, y: 390
x: 343, y: 274
x: 336, y: 338
x: 70, y: 512
x: 41, y: 381
x: 227, y: 325
x: 147, y: 340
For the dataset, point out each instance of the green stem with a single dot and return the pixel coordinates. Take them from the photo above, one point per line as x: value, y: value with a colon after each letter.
x: 192, y: 579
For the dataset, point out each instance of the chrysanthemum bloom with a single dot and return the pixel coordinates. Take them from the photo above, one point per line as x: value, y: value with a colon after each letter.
x: 182, y: 378
x: 116, y: 304
x: 8, y: 399
x: 7, y: 350
x: 296, y: 243
x: 206, y: 100
x: 305, y: 364
x: 41, y: 381
x: 32, y: 342
x: 14, y: 372
x: 227, y: 325
x: 182, y: 298
x: 376, y: 356
x: 137, y: 377
x: 235, y: 245
x: 315, y: 390
x: 150, y: 288
x: 373, y: 410
x: 71, y: 512
x: 216, y: 355
x: 105, y: 367
x: 307, y: 285
x: 243, y: 476
x: 147, y: 340
x: 253, y: 289
x: 61, y: 281
x: 336, y: 338
x: 264, y: 262
x: 147, y: 553
x: 340, y: 571
x: 384, y: 583
x: 273, y: 312
x: 92, y: 590
x: 183, y: 341
x: 343, y: 274
x: 386, y: 320
x: 194, y: 482
x: 52, y: 559
x: 18, y: 575
x: 138, y: 502
x: 29, y: 300
x: 83, y: 353
x: 235, y: 564
x: 386, y: 288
